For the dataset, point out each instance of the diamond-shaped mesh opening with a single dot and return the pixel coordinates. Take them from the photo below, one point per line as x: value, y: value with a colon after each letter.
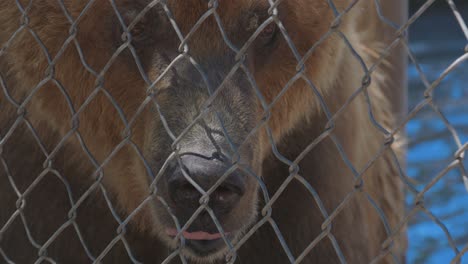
x: 166, y: 132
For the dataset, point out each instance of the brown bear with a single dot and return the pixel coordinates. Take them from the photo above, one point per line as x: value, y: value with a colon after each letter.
x: 195, y: 131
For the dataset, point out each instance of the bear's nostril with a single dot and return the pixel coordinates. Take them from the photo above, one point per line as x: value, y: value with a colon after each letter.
x: 182, y: 192
x: 225, y: 195
x: 205, y: 173
x: 230, y: 188
x: 222, y: 193
x: 187, y: 192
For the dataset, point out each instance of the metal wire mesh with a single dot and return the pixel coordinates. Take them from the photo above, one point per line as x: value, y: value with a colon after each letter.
x: 22, y: 124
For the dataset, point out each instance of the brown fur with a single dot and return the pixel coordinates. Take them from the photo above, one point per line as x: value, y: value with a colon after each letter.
x: 296, y: 120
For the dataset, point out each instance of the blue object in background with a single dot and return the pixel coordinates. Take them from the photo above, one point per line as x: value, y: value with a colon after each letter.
x: 437, y: 40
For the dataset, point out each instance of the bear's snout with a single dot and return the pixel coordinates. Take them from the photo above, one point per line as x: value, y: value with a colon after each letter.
x: 194, y: 175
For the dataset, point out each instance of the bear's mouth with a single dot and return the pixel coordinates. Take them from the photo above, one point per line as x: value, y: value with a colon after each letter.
x: 198, y: 235
x: 200, y: 242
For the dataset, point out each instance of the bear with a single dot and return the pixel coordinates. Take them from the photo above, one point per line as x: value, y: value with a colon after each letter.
x: 139, y: 131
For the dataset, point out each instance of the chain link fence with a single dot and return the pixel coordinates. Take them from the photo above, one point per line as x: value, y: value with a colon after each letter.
x: 35, y: 163
x: 423, y: 166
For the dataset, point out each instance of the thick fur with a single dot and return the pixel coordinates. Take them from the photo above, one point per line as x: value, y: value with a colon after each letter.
x: 76, y: 140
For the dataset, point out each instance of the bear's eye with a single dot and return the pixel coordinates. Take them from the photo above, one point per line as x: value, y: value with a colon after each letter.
x: 268, y: 34
x: 140, y: 29
x: 138, y: 32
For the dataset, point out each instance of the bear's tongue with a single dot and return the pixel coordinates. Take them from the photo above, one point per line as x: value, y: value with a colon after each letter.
x: 199, y: 235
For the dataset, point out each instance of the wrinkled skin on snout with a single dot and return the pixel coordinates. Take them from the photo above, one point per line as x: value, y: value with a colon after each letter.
x: 206, y: 100
x: 213, y: 152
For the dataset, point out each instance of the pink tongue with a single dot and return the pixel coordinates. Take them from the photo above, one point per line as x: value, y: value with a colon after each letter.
x: 199, y: 235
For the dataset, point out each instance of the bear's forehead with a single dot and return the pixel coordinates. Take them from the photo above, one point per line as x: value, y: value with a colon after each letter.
x: 197, y: 18
x: 188, y: 12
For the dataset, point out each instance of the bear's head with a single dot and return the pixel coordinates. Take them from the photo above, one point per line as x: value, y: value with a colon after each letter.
x: 175, y: 104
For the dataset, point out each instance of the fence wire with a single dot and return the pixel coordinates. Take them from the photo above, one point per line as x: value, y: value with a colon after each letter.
x: 22, y: 124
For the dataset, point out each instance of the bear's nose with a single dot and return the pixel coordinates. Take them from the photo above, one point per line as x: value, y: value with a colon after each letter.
x: 206, y: 173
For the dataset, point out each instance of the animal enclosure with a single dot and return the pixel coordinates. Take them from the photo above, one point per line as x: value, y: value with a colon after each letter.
x: 428, y: 121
